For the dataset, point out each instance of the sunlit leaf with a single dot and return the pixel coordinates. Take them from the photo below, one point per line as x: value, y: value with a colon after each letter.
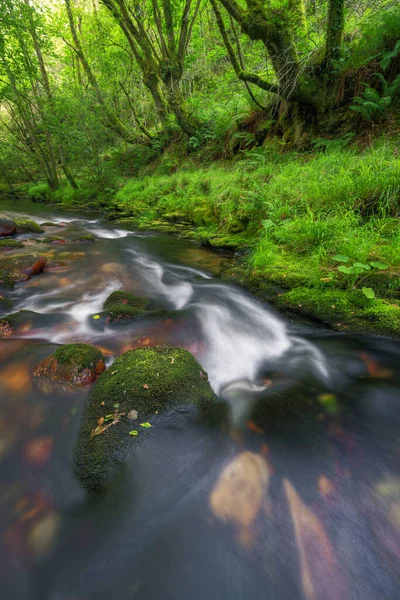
x: 116, y: 405
x: 368, y: 292
x: 96, y: 317
x: 341, y: 258
x: 134, y: 432
x: 347, y: 270
x: 145, y: 425
x: 379, y: 265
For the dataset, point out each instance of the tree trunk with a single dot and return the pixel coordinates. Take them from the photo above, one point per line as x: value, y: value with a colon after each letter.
x: 334, y: 32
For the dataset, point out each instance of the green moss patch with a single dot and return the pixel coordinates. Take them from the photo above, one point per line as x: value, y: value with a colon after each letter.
x: 123, y: 306
x: 25, y: 225
x: 76, y: 364
x: 10, y: 244
x: 344, y: 310
x: 146, y: 381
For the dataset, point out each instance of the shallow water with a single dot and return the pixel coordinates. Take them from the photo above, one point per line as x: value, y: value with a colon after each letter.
x: 297, y: 497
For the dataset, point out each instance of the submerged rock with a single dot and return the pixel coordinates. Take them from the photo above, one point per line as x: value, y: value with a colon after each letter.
x: 20, y: 268
x: 10, y: 323
x: 8, y: 244
x: 5, y: 303
x: 76, y: 364
x: 7, y: 226
x: 121, y: 307
x: 146, y: 380
x: 25, y: 225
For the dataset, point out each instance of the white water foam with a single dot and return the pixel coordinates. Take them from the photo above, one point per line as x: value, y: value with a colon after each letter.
x: 240, y: 334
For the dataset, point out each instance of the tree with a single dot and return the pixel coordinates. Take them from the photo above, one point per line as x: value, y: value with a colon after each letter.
x: 158, y: 33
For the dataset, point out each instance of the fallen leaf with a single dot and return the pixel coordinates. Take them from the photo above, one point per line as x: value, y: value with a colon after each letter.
x: 100, y: 421
x: 145, y: 425
x: 146, y: 387
x: 102, y: 428
x: 116, y: 405
x: 103, y: 403
x: 96, y: 317
x: 172, y: 359
x: 253, y: 427
x: 134, y: 432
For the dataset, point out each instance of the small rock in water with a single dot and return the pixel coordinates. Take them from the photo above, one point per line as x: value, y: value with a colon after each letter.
x: 76, y: 364
x: 133, y: 414
x: 7, y: 226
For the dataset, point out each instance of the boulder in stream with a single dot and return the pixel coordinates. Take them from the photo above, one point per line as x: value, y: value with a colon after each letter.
x: 121, y: 307
x: 139, y: 384
x: 7, y: 226
x: 75, y: 364
x: 10, y: 323
x: 25, y: 225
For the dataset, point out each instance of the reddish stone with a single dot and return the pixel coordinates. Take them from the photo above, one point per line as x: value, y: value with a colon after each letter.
x: 7, y: 226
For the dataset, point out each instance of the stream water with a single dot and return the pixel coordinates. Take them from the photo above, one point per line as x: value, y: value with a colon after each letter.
x: 299, y: 502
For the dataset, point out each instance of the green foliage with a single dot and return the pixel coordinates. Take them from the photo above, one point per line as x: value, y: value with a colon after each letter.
x: 372, y: 103
x: 40, y: 192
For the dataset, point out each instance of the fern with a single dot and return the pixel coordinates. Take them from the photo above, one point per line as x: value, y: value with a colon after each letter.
x: 372, y: 103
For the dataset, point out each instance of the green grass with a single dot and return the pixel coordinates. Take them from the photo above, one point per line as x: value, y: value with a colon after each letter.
x: 294, y: 212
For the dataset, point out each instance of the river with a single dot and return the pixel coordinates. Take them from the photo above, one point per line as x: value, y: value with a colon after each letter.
x: 298, y: 497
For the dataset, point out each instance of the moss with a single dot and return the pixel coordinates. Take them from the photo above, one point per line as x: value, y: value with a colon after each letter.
x: 130, y: 223
x: 73, y: 363
x: 25, y: 225
x: 146, y: 380
x: 9, y: 323
x: 123, y: 306
x: 344, y: 310
x: 8, y: 244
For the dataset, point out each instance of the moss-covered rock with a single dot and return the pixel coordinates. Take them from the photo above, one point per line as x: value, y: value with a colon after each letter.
x: 89, y: 237
x: 76, y: 364
x: 146, y: 380
x: 8, y: 244
x: 53, y: 239
x: 25, y: 225
x: 7, y: 226
x: 121, y: 307
x: 10, y: 323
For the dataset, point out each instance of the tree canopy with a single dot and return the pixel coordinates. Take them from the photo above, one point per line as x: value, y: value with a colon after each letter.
x: 80, y: 77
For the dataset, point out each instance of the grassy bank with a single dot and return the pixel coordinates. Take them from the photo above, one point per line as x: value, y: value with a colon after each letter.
x: 318, y: 232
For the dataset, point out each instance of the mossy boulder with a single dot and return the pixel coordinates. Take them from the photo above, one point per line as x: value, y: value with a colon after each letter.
x: 75, y: 364
x: 143, y: 381
x: 7, y: 226
x: 10, y: 323
x: 8, y: 244
x: 25, y: 225
x: 121, y: 307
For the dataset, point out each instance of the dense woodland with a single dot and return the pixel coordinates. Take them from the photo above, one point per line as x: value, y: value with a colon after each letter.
x: 266, y: 126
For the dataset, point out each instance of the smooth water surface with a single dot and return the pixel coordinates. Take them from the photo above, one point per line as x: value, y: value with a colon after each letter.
x: 297, y: 496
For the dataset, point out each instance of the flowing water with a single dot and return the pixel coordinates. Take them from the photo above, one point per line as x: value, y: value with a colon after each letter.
x: 296, y: 497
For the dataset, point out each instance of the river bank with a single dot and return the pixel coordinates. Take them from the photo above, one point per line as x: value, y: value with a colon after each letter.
x: 315, y: 233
